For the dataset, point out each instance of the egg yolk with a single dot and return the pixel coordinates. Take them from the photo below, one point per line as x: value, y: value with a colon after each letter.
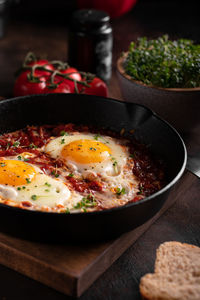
x: 86, y: 151
x: 13, y: 172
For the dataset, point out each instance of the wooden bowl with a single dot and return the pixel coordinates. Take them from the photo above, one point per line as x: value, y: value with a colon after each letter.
x: 178, y: 106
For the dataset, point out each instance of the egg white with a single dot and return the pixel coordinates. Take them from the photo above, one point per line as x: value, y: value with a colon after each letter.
x: 42, y: 191
x: 111, y: 165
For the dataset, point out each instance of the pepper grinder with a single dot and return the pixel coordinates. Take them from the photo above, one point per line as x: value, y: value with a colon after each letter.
x: 90, y: 42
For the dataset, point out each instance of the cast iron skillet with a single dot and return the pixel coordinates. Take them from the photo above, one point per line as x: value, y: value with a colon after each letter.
x: 162, y: 139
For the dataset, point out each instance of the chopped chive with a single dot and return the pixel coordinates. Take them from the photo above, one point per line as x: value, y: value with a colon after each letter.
x: 67, y: 211
x: 26, y: 159
x: 2, y: 164
x: 19, y: 157
x: 62, y: 133
x: 16, y: 144
x: 28, y: 180
x: 47, y: 190
x: 141, y: 190
x: 97, y: 136
x: 19, y: 189
x: 7, y: 146
x: 33, y: 146
x: 47, y: 184
x: 55, y: 174
x: 34, y: 197
x: 62, y: 141
x: 86, y: 202
x: 120, y: 191
x: 71, y: 175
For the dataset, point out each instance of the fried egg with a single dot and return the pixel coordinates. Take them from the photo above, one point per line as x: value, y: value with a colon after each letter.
x: 82, y: 152
x: 21, y: 181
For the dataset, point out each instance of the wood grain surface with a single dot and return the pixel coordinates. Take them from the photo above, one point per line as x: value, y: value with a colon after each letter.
x: 73, y: 268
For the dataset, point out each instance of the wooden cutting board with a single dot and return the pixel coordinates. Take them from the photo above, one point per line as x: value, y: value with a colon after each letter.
x: 71, y: 269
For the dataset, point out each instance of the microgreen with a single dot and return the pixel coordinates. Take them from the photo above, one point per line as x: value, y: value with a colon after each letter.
x: 33, y: 146
x: 97, y: 136
x: 164, y: 63
x: 141, y: 189
x: 71, y: 175
x: 121, y: 191
x: 86, y: 202
x: 62, y: 133
x: 16, y: 144
x: 55, y: 174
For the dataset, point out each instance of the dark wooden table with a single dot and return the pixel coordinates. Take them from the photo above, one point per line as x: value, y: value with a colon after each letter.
x: 182, y: 221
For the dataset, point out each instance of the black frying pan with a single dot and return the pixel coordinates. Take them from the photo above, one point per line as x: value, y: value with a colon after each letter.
x: 162, y: 139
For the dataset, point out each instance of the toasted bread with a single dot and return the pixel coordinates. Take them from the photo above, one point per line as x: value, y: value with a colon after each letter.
x: 177, y: 274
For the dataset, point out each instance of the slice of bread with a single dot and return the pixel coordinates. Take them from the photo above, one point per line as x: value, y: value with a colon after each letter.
x: 177, y: 274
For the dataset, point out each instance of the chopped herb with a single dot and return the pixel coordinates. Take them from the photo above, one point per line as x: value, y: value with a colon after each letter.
x: 62, y: 133
x: 131, y: 155
x: 26, y: 159
x: 47, y: 184
x: 47, y: 190
x: 115, y: 166
x: 19, y: 189
x: 86, y: 202
x: 19, y: 157
x: 28, y: 180
x: 62, y: 141
x: 67, y: 211
x: 7, y: 146
x: 2, y: 164
x: 97, y: 136
x: 34, y: 197
x: 121, y: 191
x: 141, y: 189
x: 16, y: 144
x: 55, y: 174
x: 92, y: 148
x: 23, y: 187
x: 71, y: 175
x: 33, y: 146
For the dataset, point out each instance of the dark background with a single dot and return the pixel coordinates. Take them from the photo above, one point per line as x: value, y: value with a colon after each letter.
x: 42, y: 27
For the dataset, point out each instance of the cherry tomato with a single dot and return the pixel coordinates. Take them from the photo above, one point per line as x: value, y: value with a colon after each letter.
x: 46, y: 64
x: 97, y: 87
x: 75, y: 75
x: 24, y: 87
x: 62, y: 87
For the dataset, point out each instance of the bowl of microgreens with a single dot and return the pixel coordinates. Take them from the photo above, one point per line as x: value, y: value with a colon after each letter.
x: 163, y: 75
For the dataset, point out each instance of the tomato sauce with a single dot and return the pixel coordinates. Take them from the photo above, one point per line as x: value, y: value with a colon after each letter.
x: 148, y: 170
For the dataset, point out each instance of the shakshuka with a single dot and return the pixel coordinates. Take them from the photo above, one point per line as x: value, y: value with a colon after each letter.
x: 69, y: 168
